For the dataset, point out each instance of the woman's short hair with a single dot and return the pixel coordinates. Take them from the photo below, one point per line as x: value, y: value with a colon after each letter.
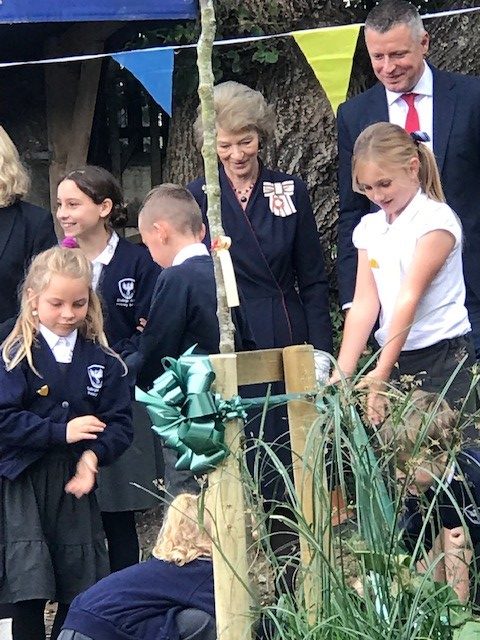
x: 186, y: 533
x: 238, y: 108
x: 14, y: 180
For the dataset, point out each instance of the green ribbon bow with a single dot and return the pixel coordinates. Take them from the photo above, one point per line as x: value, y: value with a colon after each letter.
x: 190, y: 418
x: 187, y: 416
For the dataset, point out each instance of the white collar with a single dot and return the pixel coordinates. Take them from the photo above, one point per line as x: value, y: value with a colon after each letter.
x: 107, y: 254
x: 410, y: 210
x: 52, y: 339
x: 190, y: 251
x: 424, y: 87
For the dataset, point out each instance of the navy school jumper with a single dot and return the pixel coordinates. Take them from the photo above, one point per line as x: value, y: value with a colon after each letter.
x: 272, y: 255
x: 125, y: 287
x: 183, y: 313
x: 141, y: 602
x: 31, y: 423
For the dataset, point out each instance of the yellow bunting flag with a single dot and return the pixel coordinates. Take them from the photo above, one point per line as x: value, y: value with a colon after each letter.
x: 329, y: 51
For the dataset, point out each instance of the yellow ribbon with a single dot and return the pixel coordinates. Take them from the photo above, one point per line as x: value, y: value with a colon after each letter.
x: 221, y: 246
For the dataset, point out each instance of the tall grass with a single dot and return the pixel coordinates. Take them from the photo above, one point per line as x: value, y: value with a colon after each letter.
x: 368, y: 585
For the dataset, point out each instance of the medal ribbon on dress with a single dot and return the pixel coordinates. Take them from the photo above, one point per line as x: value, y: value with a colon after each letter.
x: 279, y: 196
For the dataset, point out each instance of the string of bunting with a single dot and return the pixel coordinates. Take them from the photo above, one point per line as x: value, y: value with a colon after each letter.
x: 328, y: 50
x: 190, y: 418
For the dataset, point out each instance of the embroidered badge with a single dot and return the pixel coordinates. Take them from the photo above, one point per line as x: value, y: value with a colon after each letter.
x: 95, y: 376
x: 374, y: 264
x: 279, y: 196
x: 472, y: 514
x: 126, y: 286
x: 43, y: 391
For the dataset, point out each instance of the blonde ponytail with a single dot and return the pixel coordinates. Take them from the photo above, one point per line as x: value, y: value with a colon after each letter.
x: 388, y: 144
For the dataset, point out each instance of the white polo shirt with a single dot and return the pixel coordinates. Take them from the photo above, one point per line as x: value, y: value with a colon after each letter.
x: 441, y: 313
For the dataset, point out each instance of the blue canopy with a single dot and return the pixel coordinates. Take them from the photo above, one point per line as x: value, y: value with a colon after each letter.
x: 90, y: 10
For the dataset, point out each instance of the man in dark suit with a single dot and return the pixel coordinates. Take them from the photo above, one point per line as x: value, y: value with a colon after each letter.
x: 415, y: 95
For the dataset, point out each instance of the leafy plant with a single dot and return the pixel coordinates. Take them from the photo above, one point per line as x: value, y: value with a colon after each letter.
x: 367, y: 585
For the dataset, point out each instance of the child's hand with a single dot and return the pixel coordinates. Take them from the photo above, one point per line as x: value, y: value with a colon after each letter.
x: 141, y: 324
x: 84, y: 428
x: 84, y: 479
x: 336, y: 377
x: 374, y: 381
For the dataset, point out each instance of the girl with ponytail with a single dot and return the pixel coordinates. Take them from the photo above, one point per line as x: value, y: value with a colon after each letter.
x: 409, y: 275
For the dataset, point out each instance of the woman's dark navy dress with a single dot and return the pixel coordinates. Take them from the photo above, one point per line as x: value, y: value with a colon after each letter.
x: 278, y: 262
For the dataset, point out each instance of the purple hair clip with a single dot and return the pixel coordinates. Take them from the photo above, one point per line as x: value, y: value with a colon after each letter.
x: 419, y: 136
x: 69, y: 242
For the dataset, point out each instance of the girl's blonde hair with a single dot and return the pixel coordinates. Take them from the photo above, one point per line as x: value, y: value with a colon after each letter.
x: 186, y: 533
x: 385, y: 143
x: 238, y: 108
x: 55, y: 261
x: 14, y: 180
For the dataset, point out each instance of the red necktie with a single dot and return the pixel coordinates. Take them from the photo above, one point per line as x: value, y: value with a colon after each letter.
x: 412, y: 123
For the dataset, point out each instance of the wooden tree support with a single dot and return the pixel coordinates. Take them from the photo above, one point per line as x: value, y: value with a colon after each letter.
x: 295, y: 366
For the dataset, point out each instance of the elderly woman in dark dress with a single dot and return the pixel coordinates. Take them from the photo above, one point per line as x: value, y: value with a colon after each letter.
x: 25, y: 230
x: 276, y: 250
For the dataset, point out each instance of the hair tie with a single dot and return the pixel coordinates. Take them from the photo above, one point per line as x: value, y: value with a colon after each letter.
x: 419, y: 136
x: 69, y: 242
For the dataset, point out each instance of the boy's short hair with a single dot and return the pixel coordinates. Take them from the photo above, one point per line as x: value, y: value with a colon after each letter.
x: 175, y: 204
x: 419, y: 421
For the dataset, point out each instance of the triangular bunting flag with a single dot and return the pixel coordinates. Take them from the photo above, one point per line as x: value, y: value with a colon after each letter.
x: 329, y: 51
x: 154, y: 69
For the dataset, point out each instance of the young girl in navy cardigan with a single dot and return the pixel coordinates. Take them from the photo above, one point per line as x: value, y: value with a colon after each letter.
x: 90, y: 205
x: 64, y: 410
x: 170, y: 596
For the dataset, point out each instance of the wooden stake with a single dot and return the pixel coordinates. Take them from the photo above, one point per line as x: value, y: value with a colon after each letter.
x: 225, y: 501
x: 300, y: 378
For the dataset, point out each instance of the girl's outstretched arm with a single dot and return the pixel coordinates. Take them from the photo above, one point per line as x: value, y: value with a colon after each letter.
x: 360, y: 319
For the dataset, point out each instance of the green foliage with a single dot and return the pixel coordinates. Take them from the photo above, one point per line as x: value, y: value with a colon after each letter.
x: 367, y: 585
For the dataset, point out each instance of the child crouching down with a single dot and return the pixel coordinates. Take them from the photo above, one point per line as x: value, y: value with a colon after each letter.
x: 170, y: 596
x: 433, y: 469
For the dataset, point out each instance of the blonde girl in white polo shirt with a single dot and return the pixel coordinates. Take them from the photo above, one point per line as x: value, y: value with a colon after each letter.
x: 409, y: 274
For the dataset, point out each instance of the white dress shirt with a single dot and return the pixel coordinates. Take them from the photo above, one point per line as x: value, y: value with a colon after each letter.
x: 103, y: 259
x: 190, y: 251
x: 397, y: 107
x: 62, y: 346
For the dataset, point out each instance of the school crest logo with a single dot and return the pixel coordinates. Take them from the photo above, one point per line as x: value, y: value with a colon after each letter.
x: 126, y: 286
x: 95, y: 377
x: 471, y: 512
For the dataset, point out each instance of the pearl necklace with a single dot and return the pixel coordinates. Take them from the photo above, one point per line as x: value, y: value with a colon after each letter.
x: 243, y: 193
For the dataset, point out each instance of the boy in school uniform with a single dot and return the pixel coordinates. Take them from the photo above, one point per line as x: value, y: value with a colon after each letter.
x: 183, y: 312
x: 433, y: 469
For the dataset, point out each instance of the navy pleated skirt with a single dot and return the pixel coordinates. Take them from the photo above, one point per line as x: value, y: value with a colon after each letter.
x: 52, y: 545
